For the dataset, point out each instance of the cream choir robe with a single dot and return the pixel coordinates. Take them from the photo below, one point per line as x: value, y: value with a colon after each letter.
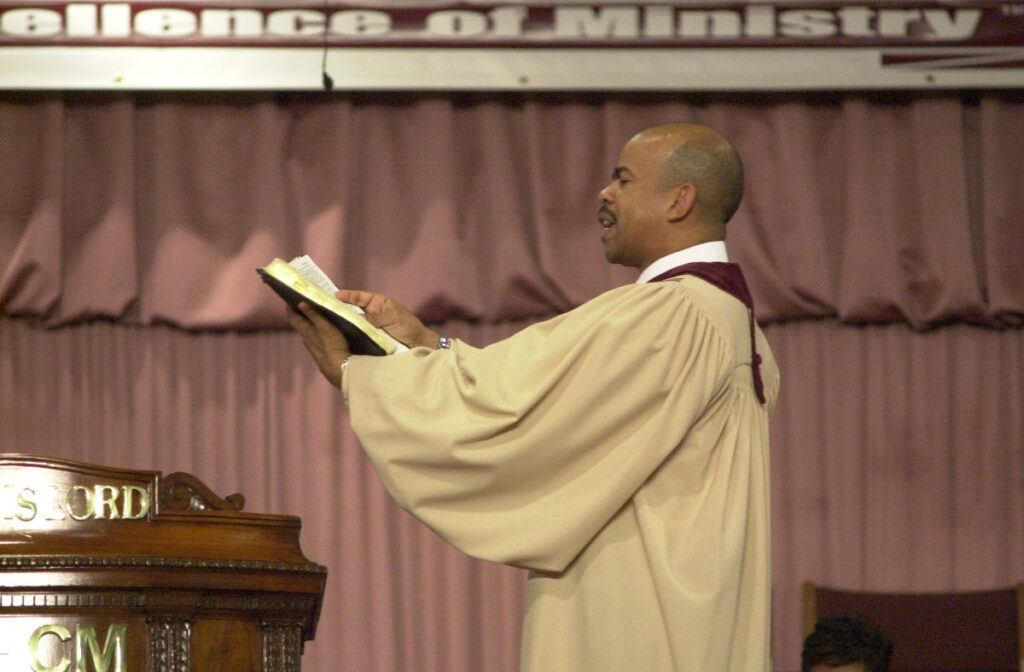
x: 619, y: 453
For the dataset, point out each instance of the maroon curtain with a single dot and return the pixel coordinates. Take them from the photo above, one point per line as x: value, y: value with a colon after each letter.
x: 148, y: 210
x: 881, y: 236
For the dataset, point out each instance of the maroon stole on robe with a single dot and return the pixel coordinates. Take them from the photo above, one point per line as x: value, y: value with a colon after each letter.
x: 729, y: 278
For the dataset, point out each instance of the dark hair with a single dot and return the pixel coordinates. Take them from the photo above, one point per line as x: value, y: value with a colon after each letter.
x: 714, y: 166
x: 841, y: 640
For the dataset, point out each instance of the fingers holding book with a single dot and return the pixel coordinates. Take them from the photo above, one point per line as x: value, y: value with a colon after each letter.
x: 302, y: 280
x: 325, y: 342
x: 391, y: 316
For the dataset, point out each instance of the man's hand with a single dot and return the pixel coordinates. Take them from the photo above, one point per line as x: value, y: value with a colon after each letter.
x: 392, y: 317
x: 323, y: 340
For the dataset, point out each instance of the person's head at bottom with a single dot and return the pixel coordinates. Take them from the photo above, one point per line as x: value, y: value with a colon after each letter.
x: 846, y: 644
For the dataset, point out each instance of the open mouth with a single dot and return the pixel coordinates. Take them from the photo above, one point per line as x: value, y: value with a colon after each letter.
x: 606, y: 217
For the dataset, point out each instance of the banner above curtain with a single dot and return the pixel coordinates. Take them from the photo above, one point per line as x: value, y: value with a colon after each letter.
x: 487, y: 45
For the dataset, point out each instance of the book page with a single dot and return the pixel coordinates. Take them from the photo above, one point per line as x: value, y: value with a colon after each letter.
x: 316, y: 275
x: 313, y: 273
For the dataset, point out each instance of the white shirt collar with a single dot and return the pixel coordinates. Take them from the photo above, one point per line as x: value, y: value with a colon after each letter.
x: 711, y: 251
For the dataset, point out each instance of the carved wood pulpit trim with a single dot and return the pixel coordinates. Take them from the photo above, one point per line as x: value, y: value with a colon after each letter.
x: 117, y: 570
x: 281, y: 645
x: 184, y: 492
x: 170, y: 642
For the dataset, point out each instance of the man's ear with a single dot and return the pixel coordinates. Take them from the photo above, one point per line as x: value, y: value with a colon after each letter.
x: 684, y: 198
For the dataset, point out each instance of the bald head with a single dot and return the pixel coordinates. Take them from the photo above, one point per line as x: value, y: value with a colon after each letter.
x: 675, y: 186
x: 703, y: 157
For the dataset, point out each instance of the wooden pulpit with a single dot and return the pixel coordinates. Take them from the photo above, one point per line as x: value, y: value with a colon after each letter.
x: 112, y: 570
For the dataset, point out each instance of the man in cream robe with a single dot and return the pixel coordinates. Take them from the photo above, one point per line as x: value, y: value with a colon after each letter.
x: 618, y: 451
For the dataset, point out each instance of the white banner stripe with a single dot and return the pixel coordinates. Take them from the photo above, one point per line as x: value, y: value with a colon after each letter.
x: 481, y: 45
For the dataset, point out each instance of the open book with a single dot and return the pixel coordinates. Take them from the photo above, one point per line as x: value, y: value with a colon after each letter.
x: 302, y: 280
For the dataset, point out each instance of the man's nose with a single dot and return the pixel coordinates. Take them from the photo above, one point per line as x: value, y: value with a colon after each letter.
x: 606, y: 195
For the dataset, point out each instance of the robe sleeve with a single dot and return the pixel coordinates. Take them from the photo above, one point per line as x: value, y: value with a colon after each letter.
x: 522, y: 451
